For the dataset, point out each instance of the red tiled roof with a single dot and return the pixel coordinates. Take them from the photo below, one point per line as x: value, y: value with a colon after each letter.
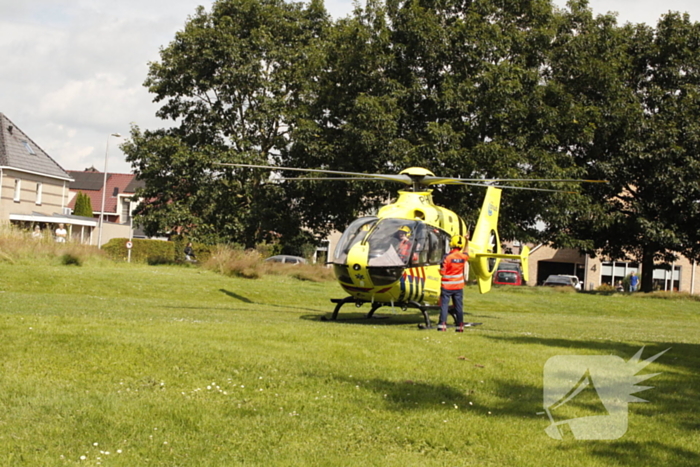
x: 119, y: 181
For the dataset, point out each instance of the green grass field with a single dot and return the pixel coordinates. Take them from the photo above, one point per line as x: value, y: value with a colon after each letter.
x: 122, y: 365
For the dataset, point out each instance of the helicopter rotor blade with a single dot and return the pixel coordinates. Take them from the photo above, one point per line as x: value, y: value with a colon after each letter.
x: 420, y: 180
x: 508, y: 187
x: 394, y: 178
x: 303, y: 179
x: 461, y: 181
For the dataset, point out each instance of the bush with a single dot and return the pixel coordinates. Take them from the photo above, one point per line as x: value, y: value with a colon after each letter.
x: 202, y: 251
x: 83, y: 205
x: 268, y: 249
x: 143, y: 251
x: 68, y: 259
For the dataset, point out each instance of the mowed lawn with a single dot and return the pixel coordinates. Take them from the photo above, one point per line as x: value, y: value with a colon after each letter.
x: 131, y: 365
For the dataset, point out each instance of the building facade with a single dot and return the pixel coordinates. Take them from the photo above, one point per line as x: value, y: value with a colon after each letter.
x: 34, y: 189
x: 680, y: 276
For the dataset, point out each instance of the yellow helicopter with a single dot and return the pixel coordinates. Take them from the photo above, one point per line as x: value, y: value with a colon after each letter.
x: 393, y: 258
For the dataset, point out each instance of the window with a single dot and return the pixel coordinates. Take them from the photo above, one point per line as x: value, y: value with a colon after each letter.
x: 126, y: 212
x: 39, y: 189
x: 439, y: 245
x: 612, y: 272
x: 18, y: 190
x: 28, y: 147
x: 667, y: 277
x: 354, y: 233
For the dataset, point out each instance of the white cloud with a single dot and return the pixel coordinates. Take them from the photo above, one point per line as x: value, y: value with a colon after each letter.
x: 73, y: 71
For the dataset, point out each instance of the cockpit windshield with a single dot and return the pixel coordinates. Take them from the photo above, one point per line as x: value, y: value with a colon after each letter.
x: 355, y: 232
x: 394, y: 242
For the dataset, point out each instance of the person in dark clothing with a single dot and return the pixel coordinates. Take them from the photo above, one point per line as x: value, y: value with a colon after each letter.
x: 189, y: 253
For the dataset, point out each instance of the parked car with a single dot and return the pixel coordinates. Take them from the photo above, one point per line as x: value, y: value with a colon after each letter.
x: 563, y: 280
x: 507, y: 277
x: 286, y: 259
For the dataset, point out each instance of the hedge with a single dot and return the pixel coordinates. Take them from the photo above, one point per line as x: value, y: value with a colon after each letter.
x: 143, y: 251
x: 154, y: 251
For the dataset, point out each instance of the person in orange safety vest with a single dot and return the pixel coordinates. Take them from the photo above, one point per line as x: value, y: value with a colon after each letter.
x: 404, y: 246
x: 452, y: 271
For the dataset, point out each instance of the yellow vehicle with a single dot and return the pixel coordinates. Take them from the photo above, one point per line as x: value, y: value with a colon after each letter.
x: 393, y: 258
x: 370, y: 269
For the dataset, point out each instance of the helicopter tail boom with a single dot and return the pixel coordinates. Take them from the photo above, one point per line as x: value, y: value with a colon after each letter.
x: 485, y: 246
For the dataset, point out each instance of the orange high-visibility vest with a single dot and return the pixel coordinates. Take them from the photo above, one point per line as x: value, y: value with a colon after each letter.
x: 452, y: 270
x: 404, y: 248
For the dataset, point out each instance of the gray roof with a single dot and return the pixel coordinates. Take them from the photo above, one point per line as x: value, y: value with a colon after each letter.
x: 134, y: 185
x: 18, y: 151
x: 87, y: 180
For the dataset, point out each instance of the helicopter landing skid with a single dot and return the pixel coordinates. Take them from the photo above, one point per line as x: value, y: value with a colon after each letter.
x: 339, y: 302
x: 452, y: 326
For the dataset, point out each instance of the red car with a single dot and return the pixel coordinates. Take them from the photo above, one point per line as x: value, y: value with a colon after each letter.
x: 508, y: 277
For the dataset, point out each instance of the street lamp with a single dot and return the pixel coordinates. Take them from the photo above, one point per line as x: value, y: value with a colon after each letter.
x: 104, y: 192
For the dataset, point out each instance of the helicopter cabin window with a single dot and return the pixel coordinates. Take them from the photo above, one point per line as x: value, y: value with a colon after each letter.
x: 392, y: 242
x: 439, y: 245
x: 355, y: 233
x: 421, y: 249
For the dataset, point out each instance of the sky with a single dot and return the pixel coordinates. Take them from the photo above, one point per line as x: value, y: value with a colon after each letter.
x: 72, y: 71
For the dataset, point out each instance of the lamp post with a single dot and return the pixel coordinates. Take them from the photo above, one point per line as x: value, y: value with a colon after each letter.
x: 104, y: 192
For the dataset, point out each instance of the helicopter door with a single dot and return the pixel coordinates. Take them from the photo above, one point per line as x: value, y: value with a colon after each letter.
x: 439, y: 243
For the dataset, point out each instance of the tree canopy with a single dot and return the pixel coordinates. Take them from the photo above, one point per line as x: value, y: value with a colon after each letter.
x: 634, y: 120
x: 232, y: 83
x: 470, y: 88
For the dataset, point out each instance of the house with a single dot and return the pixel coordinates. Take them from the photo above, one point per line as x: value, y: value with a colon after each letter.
x: 544, y: 260
x: 34, y: 189
x: 118, y: 199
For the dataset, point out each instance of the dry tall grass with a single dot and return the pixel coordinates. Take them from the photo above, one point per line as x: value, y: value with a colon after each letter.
x: 249, y: 264
x: 303, y: 272
x: 235, y: 262
x: 18, y: 247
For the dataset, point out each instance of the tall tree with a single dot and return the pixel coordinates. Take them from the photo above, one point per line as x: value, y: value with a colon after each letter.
x: 83, y: 205
x: 232, y: 82
x: 454, y: 86
x: 629, y: 102
x: 351, y: 123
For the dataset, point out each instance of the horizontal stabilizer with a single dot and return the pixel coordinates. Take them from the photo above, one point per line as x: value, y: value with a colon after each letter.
x: 485, y: 281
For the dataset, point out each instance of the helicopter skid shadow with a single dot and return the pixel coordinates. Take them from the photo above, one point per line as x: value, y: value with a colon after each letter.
x: 361, y: 318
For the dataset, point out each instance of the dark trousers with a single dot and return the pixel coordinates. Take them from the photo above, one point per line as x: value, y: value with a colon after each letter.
x: 457, y: 296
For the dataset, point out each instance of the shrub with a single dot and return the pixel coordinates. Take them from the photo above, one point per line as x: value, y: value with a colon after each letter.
x: 143, y: 251
x: 202, y: 251
x: 605, y: 288
x: 268, y: 249
x: 83, y: 205
x: 68, y: 259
